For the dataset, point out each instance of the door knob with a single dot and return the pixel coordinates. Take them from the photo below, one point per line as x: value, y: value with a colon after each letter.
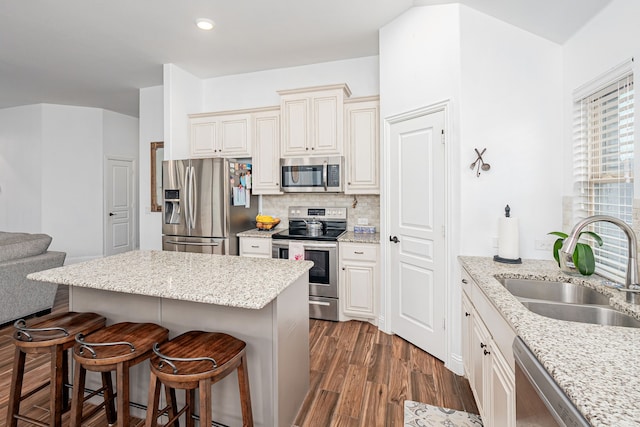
x: 111, y: 214
x: 394, y: 239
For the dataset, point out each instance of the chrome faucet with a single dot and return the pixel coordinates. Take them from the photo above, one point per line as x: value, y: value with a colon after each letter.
x: 631, y: 285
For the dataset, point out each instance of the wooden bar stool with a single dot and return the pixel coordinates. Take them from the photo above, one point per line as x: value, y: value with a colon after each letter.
x: 197, y: 360
x: 113, y: 348
x: 53, y: 334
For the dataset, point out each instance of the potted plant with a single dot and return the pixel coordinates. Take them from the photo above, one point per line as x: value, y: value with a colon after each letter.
x: 583, y: 258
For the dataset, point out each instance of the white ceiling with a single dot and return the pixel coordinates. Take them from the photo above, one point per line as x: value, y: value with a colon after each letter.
x: 98, y: 53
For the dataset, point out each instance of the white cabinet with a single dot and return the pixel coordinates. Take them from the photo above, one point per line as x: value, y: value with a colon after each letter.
x: 255, y: 247
x: 359, y: 280
x: 312, y: 120
x: 266, y: 152
x: 362, y: 145
x: 220, y: 135
x: 488, y: 358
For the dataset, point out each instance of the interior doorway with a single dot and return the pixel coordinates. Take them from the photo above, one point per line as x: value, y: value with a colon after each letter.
x: 119, y: 220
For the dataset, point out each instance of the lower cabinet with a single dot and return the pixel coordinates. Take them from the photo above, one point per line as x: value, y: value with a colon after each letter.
x: 359, y: 281
x: 256, y: 247
x: 488, y: 359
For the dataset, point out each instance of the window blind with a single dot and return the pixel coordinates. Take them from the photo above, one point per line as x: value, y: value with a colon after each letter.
x: 603, y: 169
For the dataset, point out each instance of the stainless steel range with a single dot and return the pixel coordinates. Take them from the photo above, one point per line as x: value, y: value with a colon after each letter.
x: 318, y: 229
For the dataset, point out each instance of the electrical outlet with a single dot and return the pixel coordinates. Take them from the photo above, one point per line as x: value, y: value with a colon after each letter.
x: 544, y: 245
x: 363, y: 221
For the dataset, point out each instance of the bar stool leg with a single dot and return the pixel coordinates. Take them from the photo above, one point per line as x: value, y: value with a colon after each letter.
x: 16, y: 387
x: 154, y: 401
x: 205, y: 402
x: 109, y: 398
x: 172, y: 404
x: 190, y: 401
x: 66, y: 403
x: 79, y: 378
x: 245, y: 394
x: 122, y: 381
x: 55, y: 390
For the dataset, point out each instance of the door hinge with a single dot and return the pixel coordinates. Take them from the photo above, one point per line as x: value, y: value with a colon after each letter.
x: 444, y: 323
x: 442, y: 136
x: 444, y: 231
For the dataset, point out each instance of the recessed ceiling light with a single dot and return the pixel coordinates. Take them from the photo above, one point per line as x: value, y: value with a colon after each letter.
x: 205, y: 24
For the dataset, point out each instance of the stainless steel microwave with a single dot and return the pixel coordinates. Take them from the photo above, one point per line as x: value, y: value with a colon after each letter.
x: 312, y: 174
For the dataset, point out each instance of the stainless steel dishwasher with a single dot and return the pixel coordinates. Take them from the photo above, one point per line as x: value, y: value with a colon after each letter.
x: 540, y: 402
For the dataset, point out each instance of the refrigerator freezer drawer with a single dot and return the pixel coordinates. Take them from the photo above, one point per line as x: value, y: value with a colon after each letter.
x: 205, y: 245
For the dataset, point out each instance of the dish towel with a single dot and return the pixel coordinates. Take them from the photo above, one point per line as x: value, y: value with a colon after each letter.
x: 296, y: 251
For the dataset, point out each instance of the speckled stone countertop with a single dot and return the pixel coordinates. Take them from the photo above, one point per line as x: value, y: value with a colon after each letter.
x: 266, y: 234
x: 598, y: 367
x: 211, y: 279
x: 352, y: 237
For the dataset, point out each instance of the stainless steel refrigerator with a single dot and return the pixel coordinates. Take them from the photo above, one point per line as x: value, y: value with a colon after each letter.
x: 206, y: 202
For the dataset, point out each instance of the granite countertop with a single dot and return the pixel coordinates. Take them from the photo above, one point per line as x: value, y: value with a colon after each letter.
x: 211, y: 279
x: 598, y: 367
x: 265, y: 234
x: 352, y: 237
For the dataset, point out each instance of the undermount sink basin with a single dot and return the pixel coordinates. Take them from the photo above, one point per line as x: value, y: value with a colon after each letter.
x: 553, y: 291
x: 598, y: 315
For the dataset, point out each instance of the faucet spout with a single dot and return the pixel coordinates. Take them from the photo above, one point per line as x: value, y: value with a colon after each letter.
x: 632, y: 287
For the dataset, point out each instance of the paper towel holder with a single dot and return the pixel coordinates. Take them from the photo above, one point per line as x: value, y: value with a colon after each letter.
x: 497, y: 258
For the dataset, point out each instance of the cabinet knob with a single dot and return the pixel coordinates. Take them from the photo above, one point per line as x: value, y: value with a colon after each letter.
x: 306, y: 148
x: 343, y: 268
x: 358, y: 252
x: 464, y: 281
x: 348, y: 183
x: 313, y: 148
x: 486, y: 352
x: 467, y: 314
x: 255, y: 246
x: 482, y: 345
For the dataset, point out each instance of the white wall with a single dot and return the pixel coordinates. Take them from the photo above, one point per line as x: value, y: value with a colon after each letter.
x: 20, y: 173
x: 609, y: 39
x: 182, y: 96
x: 511, y: 105
x: 259, y: 89
x: 151, y: 130
x: 72, y: 201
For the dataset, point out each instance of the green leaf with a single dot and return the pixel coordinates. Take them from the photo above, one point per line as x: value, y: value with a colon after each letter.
x: 559, y: 234
x: 556, y: 249
x: 595, y: 237
x: 584, y: 260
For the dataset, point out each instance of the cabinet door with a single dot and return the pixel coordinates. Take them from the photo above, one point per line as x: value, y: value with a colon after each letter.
x: 502, y: 393
x: 467, y: 327
x: 362, y: 141
x: 296, y: 132
x: 266, y: 153
x: 327, y: 124
x: 255, y: 247
x: 235, y: 135
x: 358, y: 280
x: 481, y: 361
x: 203, y: 137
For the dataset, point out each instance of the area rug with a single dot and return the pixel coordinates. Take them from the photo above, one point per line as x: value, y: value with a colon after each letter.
x: 418, y: 414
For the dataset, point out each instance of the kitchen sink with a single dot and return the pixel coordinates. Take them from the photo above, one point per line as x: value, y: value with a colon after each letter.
x: 599, y: 315
x: 553, y: 291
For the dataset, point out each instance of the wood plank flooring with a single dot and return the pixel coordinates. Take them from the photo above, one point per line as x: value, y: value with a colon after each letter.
x: 359, y: 377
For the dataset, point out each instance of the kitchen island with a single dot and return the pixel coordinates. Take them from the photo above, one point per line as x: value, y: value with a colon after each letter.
x: 260, y: 301
x: 597, y: 367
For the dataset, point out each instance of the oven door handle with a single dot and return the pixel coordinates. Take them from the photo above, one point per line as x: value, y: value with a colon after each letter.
x: 326, y: 304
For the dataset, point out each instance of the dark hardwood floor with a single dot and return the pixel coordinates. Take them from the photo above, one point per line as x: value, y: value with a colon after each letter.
x: 359, y: 377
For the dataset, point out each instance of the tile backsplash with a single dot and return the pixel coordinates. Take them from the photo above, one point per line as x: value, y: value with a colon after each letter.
x: 367, y: 206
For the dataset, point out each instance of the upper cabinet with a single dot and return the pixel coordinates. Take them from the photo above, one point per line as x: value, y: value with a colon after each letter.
x: 362, y: 141
x: 266, y: 152
x: 312, y: 120
x: 220, y: 134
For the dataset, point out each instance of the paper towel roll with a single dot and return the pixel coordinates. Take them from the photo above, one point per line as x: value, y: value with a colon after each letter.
x: 508, y: 238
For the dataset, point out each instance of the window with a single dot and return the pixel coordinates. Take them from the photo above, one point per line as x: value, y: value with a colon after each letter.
x: 603, y: 168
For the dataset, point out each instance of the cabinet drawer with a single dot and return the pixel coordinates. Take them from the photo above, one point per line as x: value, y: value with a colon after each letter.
x: 255, y: 247
x: 355, y: 252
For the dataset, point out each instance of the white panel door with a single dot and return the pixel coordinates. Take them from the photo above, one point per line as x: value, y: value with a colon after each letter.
x: 120, y: 225
x: 417, y: 244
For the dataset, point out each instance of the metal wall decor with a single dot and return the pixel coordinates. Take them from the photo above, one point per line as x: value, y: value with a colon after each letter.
x: 479, y: 163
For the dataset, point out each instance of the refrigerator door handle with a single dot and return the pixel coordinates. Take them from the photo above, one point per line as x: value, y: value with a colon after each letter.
x: 192, y: 189
x: 175, y: 242
x: 325, y: 167
x: 186, y: 208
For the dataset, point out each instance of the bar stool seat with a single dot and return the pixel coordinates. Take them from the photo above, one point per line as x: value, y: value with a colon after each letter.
x: 114, y: 348
x: 53, y: 334
x: 197, y: 360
